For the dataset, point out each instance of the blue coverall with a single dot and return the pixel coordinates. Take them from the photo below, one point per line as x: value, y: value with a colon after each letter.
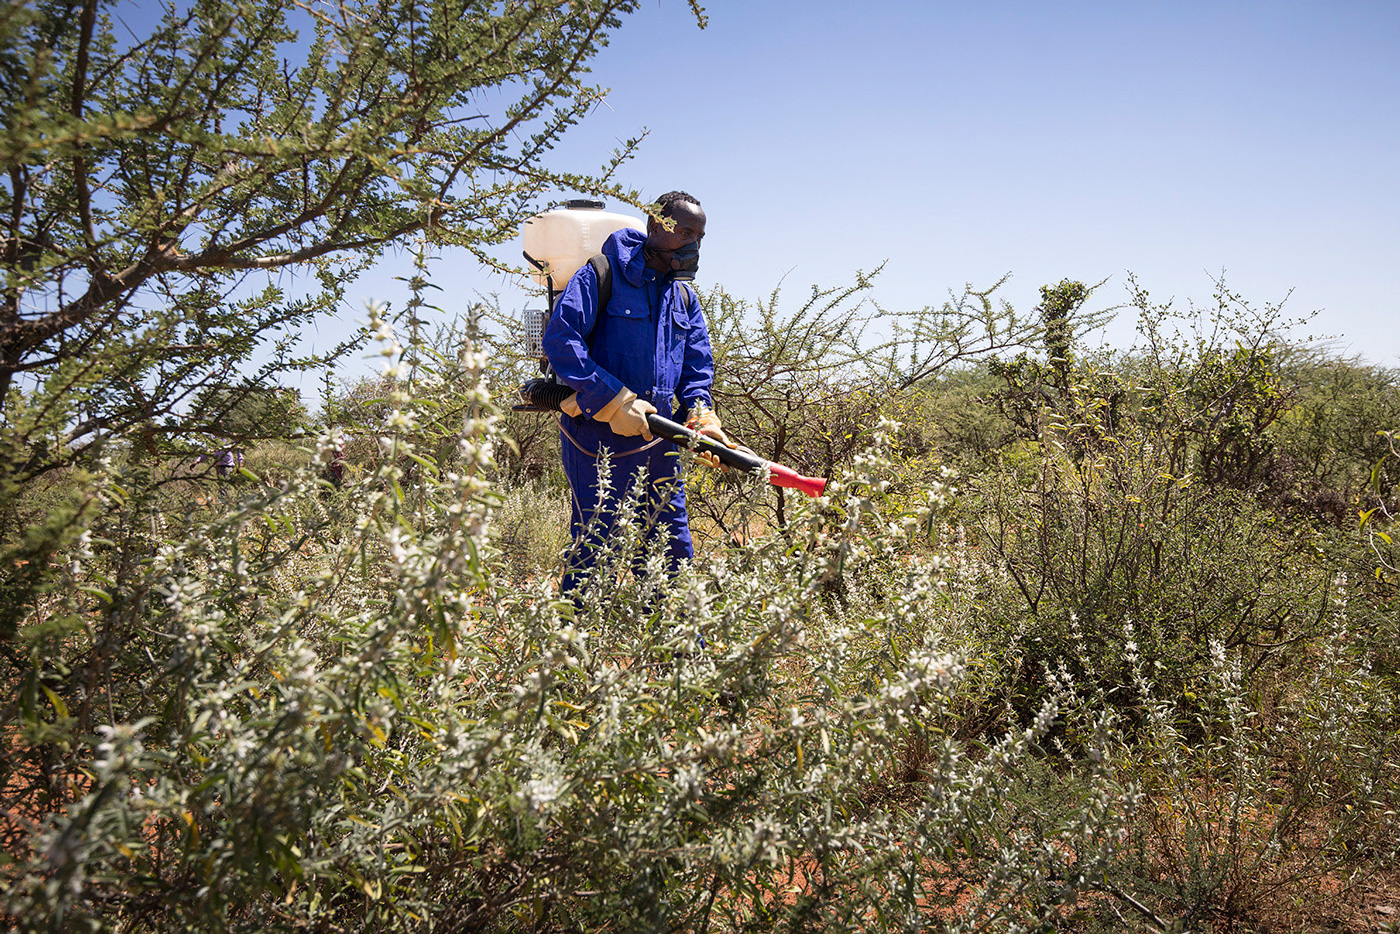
x: 651, y: 339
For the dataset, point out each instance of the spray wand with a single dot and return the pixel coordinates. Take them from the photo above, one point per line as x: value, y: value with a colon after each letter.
x: 543, y: 395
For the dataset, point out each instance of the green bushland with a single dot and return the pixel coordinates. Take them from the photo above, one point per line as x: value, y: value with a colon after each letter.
x: 1154, y: 542
x: 270, y: 719
x: 1074, y: 683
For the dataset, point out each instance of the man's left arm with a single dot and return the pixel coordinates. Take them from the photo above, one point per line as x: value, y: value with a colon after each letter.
x: 697, y: 385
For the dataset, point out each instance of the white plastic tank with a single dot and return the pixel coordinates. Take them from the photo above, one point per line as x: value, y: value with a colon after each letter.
x: 558, y: 242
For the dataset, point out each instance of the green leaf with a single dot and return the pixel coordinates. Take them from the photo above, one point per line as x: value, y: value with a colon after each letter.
x: 59, y: 706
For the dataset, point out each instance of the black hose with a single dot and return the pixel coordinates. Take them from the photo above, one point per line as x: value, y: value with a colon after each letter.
x: 543, y: 395
x: 546, y: 395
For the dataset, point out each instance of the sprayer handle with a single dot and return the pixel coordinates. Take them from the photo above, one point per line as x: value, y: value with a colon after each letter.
x: 544, y: 395
x: 778, y: 475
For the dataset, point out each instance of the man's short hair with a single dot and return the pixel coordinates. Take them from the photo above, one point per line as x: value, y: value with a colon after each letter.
x: 664, y: 202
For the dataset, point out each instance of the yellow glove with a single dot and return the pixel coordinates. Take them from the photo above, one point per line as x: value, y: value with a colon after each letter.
x: 703, y: 420
x: 626, y: 415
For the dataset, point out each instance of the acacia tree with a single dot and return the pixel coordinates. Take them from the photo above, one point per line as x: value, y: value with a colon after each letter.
x: 167, y: 170
x: 153, y: 182
x: 807, y: 387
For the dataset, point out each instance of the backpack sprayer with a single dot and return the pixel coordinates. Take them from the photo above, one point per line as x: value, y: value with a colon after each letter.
x: 557, y: 244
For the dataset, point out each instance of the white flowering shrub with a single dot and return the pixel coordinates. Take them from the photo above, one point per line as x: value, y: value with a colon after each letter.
x: 1244, y: 809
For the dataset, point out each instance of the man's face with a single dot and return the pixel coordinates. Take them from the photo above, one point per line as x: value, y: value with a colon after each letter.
x: 687, y: 223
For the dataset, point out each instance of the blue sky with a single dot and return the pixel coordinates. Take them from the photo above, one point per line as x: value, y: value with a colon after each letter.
x: 961, y: 141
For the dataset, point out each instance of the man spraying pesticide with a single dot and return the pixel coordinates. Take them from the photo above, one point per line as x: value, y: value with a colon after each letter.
x: 626, y: 336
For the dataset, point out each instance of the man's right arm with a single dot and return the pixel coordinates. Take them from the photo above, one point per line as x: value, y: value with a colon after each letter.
x: 566, y: 344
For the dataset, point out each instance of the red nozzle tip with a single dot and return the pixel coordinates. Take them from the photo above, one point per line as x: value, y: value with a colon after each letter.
x: 778, y: 475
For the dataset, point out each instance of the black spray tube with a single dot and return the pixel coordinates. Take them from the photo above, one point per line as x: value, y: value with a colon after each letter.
x: 540, y: 395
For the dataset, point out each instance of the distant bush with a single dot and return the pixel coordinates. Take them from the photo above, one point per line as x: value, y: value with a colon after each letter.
x: 1142, y: 550
x: 1079, y: 545
x: 1334, y: 435
x: 531, y: 529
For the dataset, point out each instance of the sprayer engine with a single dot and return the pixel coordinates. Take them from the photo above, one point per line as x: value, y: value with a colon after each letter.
x: 532, y: 322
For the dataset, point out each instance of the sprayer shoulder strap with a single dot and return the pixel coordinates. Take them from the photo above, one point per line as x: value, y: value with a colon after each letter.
x: 602, y: 269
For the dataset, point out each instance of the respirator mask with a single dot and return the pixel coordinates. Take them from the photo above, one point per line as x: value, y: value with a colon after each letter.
x: 682, y: 262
